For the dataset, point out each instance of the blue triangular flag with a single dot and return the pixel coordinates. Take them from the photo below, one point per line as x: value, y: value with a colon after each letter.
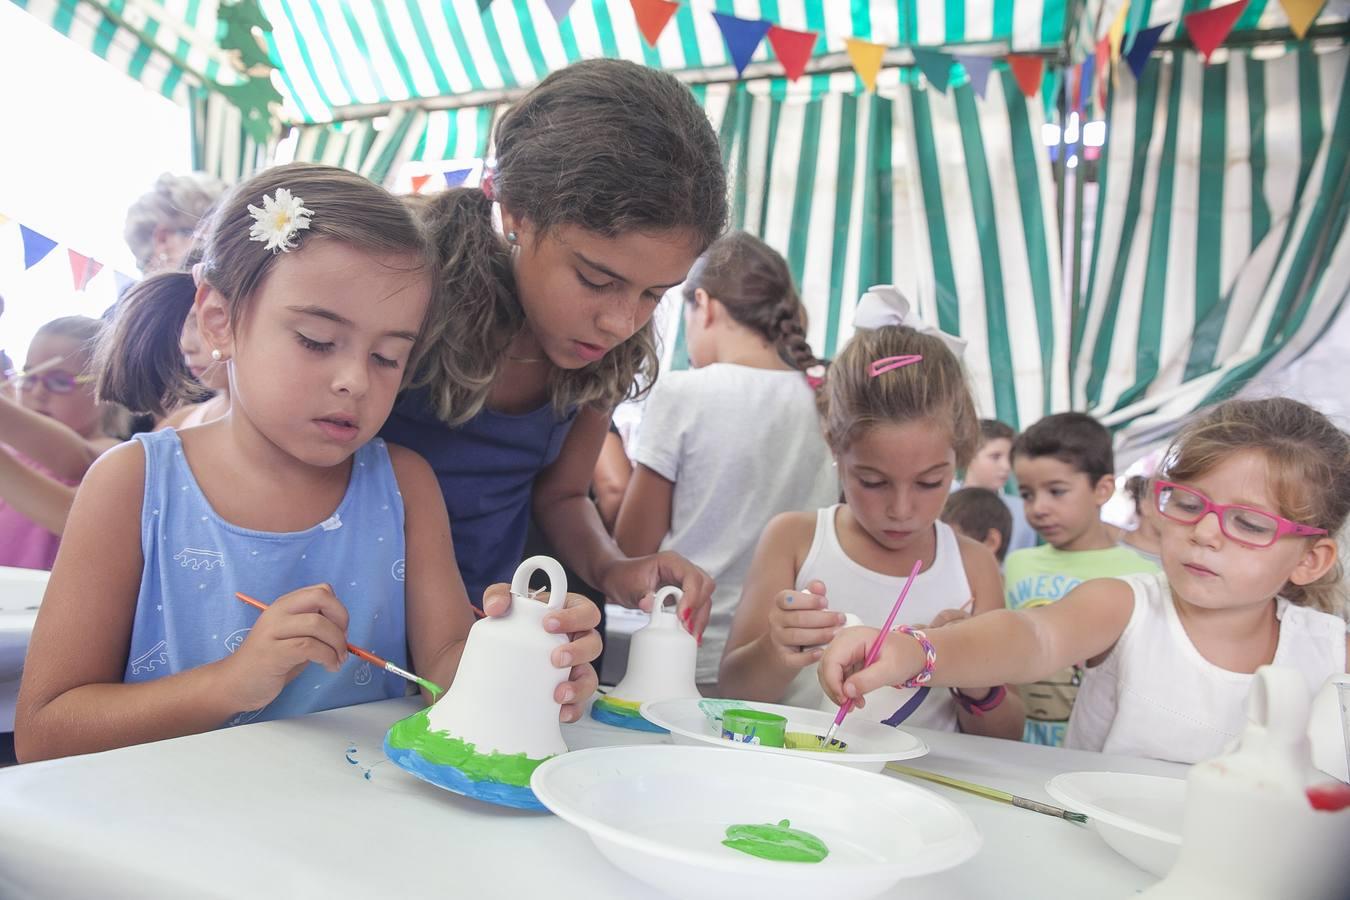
x: 559, y: 8
x: 935, y: 66
x: 1085, y: 82
x: 123, y: 282
x: 1143, y: 48
x: 742, y: 37
x: 35, y: 246
x: 977, y: 68
x: 457, y: 177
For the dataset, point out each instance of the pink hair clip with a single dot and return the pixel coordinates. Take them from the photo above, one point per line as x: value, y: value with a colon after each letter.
x: 487, y: 182
x: 891, y: 363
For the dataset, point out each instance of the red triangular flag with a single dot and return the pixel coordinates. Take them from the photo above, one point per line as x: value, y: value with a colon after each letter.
x: 1102, y: 69
x: 83, y: 269
x: 1027, y: 70
x: 418, y: 181
x: 652, y: 16
x: 1210, y: 28
x: 793, y: 49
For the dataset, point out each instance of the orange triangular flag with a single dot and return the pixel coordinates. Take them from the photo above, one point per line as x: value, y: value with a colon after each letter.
x: 83, y: 269
x: 1210, y: 28
x: 1101, y: 71
x: 1027, y: 71
x: 866, y: 58
x: 1116, y: 33
x: 418, y: 181
x: 652, y: 16
x: 793, y: 49
x: 1301, y: 14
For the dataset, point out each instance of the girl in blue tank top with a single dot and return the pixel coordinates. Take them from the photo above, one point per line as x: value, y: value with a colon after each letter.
x: 312, y: 290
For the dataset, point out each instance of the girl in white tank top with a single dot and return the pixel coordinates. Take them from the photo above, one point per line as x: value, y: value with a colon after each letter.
x: 899, y: 421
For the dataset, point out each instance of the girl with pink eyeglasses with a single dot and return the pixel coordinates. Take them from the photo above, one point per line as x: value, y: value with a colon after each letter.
x: 1249, y: 501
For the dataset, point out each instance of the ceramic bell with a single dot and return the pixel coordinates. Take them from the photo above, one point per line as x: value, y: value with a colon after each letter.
x: 498, y: 721
x: 1250, y: 830
x: 661, y: 660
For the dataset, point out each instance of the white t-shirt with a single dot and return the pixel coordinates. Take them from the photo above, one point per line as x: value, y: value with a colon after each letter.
x: 1154, y: 694
x: 741, y: 445
x: 851, y: 587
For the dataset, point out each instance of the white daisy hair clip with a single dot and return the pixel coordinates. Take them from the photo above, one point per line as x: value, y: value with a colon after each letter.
x: 279, y: 221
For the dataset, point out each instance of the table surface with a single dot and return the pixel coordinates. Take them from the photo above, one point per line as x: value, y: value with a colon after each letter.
x: 275, y: 810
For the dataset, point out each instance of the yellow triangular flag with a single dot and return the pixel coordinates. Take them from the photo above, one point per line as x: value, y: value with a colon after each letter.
x: 3, y: 218
x: 866, y: 57
x: 1116, y: 34
x: 1301, y: 14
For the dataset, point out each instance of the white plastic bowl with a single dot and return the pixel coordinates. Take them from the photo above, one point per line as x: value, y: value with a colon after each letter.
x: 660, y: 813
x: 870, y: 745
x: 1139, y: 816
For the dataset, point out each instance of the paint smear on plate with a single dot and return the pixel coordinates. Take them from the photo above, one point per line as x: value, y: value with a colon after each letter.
x: 780, y: 843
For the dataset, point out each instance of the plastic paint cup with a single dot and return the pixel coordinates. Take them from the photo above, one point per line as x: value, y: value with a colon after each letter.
x: 750, y: 726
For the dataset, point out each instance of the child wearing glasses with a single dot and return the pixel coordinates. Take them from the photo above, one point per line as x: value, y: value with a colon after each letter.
x: 1249, y: 502
x: 51, y: 431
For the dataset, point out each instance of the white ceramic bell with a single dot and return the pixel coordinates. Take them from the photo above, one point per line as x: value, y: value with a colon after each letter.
x: 1249, y: 830
x: 661, y: 657
x: 501, y: 700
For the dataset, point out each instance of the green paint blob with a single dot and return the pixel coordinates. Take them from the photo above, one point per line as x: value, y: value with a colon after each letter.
x: 779, y: 843
x: 806, y: 740
x: 439, y: 748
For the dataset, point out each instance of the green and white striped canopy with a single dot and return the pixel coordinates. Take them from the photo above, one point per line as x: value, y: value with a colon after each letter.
x: 1220, y: 241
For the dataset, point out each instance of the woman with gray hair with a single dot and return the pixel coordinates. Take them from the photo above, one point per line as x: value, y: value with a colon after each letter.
x: 160, y: 224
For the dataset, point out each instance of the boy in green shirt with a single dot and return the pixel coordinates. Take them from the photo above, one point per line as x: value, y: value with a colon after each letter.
x: 1065, y: 472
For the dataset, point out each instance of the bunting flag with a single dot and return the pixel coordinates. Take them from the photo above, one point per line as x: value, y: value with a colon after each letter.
x: 1027, y: 71
x: 1116, y: 33
x: 3, y: 218
x: 82, y: 269
x: 418, y: 181
x: 652, y: 17
x: 559, y: 8
x: 123, y: 282
x: 935, y: 66
x: 743, y: 37
x: 1138, y: 18
x: 457, y: 177
x: 793, y: 49
x: 1210, y: 28
x: 483, y: 5
x: 977, y: 70
x: 35, y: 246
x: 866, y: 58
x: 1301, y: 14
x: 1082, y: 85
x: 1144, y: 42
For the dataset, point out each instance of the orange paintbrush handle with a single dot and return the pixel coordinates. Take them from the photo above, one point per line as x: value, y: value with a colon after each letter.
x: 363, y: 654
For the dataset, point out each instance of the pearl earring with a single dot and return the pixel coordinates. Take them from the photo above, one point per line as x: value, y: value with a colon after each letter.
x: 217, y: 355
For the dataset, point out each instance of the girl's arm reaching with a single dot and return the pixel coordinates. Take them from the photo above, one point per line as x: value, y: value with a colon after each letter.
x: 777, y: 631
x: 994, y: 648
x: 43, y: 500
x: 439, y: 614
x: 46, y: 440
x: 644, y: 517
x: 72, y: 699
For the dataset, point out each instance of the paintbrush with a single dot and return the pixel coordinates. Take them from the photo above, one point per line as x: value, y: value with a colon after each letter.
x: 435, y: 689
x: 990, y: 793
x: 874, y: 651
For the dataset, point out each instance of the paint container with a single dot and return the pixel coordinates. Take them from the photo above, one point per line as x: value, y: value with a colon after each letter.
x: 750, y: 726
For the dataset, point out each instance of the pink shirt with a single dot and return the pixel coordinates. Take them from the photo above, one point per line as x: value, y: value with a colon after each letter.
x: 23, y: 543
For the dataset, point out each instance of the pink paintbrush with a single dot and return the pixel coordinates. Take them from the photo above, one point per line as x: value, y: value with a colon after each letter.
x: 874, y: 651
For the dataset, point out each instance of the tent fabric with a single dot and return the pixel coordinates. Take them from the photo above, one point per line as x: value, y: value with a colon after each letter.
x: 1221, y: 248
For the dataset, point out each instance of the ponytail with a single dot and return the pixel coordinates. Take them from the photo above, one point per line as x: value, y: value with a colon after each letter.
x: 139, y: 362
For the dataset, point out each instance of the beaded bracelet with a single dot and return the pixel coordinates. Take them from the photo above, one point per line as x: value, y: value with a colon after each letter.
x: 929, y: 657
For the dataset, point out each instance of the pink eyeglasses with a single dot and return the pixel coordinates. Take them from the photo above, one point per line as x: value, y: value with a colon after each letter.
x: 1247, y: 525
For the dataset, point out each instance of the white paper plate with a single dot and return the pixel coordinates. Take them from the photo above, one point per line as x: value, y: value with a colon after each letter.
x: 1139, y: 816
x: 660, y: 813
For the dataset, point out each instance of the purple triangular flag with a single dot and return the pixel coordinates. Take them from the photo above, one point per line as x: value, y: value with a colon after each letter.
x: 977, y: 68
x: 742, y: 37
x: 936, y: 67
x: 123, y: 282
x: 559, y: 8
x: 457, y: 177
x: 1144, y: 42
x: 35, y: 246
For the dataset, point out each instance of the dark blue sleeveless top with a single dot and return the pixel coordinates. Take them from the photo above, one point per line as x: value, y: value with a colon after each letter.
x: 486, y: 468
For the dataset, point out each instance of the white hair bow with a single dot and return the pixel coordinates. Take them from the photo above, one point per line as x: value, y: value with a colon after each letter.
x: 883, y: 305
